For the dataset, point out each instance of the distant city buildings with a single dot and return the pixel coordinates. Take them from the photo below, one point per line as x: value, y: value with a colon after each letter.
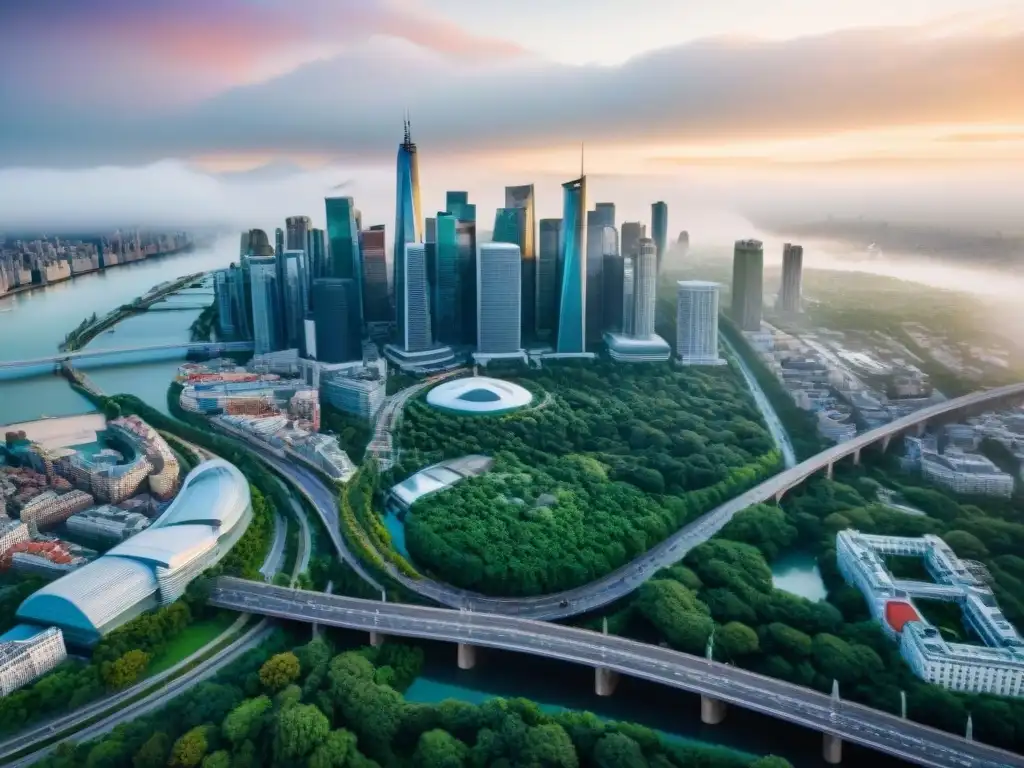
x: 499, y: 282
x: 548, y: 286
x: 790, y: 291
x: 996, y: 667
x: 640, y: 344
x: 107, y: 523
x: 959, y: 470
x: 659, y: 230
x: 359, y: 390
x: 572, y: 304
x: 697, y: 322
x: 27, y: 655
x: 747, y: 284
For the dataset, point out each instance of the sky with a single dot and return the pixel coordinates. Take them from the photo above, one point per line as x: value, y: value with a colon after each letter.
x: 797, y: 108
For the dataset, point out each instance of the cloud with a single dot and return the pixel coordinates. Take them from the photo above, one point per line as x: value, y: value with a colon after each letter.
x: 350, y: 105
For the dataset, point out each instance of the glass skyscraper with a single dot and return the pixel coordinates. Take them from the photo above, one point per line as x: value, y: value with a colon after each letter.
x: 417, y: 334
x: 264, y: 304
x: 522, y: 198
x: 376, y: 297
x: 446, y: 304
x: 345, y: 261
x: 408, y: 219
x: 548, y: 277
x: 293, y: 307
x: 334, y: 311
x: 458, y: 205
x: 659, y: 229
x: 747, y: 284
x: 499, y: 302
x: 572, y: 303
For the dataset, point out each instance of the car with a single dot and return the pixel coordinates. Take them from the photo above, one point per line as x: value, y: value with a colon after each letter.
x: 563, y: 604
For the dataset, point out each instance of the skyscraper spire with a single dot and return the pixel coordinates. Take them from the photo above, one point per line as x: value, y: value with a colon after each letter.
x: 407, y: 127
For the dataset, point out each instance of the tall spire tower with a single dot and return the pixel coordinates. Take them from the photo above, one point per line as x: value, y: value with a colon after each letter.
x: 408, y: 218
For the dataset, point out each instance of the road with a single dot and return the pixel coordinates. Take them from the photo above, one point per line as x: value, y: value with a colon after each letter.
x: 275, y: 557
x: 771, y: 418
x: 203, y: 671
x: 855, y: 723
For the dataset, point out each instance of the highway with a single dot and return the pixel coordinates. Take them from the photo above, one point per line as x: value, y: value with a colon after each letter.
x: 771, y: 418
x: 618, y: 583
x: 186, y: 346
x: 854, y: 723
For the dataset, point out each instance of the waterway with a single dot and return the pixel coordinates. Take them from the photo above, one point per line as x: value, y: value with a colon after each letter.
x: 798, y: 574
x: 39, y: 322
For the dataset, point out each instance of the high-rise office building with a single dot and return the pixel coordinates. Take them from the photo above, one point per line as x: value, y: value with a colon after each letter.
x: 601, y: 239
x: 345, y: 261
x: 241, y: 298
x: 294, y: 306
x: 614, y: 289
x: 508, y: 226
x: 278, y: 241
x: 225, y: 305
x: 417, y: 334
x: 458, y: 205
x: 603, y: 215
x: 697, y: 322
x: 408, y: 220
x: 645, y: 282
x: 335, y: 314
x: 659, y: 230
x: 548, y: 284
x: 632, y: 232
x: 297, y: 230
x: 522, y: 198
x: 446, y: 303
x: 317, y: 256
x: 376, y: 296
x: 747, y: 284
x: 790, y: 299
x: 572, y: 303
x: 628, y: 293
x: 499, y: 303
x: 264, y: 304
x: 258, y: 244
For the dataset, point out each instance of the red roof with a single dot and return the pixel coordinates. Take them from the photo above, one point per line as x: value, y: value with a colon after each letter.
x: 898, y: 613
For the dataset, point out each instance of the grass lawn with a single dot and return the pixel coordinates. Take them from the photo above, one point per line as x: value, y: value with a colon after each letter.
x: 194, y: 637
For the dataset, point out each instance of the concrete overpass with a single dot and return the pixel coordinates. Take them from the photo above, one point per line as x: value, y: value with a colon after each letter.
x: 618, y: 583
x: 718, y: 684
x: 113, y: 355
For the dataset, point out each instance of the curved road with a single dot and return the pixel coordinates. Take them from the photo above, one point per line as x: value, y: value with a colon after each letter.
x: 858, y: 724
x: 611, y: 587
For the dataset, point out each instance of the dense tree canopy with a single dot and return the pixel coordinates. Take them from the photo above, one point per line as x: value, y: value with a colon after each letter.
x: 610, y: 461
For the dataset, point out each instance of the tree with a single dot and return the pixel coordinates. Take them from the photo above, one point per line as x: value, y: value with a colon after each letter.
x: 615, y: 750
x: 783, y: 639
x: 771, y: 761
x: 439, y: 749
x: 735, y: 640
x: 676, y: 613
x: 154, y: 752
x: 188, y: 751
x: 125, y: 670
x: 548, y: 746
x: 966, y: 545
x: 279, y: 670
x: 219, y: 759
x: 335, y: 750
x: 111, y: 410
x: 300, y: 729
x: 246, y: 720
x: 109, y: 753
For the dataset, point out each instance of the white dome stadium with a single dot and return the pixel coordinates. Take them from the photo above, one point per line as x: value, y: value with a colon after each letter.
x: 479, y: 394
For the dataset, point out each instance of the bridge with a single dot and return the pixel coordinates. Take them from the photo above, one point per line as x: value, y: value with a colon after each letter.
x: 618, y: 583
x: 115, y: 355
x: 718, y: 684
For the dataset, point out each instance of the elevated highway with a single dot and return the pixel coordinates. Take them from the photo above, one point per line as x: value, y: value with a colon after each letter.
x: 717, y: 682
x: 113, y: 355
x: 624, y: 580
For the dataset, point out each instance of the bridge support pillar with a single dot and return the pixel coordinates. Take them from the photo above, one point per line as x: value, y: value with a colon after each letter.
x: 885, y: 443
x: 856, y: 458
x: 831, y: 749
x: 712, y: 711
x: 376, y: 639
x: 778, y: 497
x: 828, y: 471
x: 919, y: 428
x: 467, y: 656
x: 605, y: 681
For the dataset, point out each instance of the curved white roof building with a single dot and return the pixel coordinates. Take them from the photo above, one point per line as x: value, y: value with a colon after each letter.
x: 479, y: 394
x: 210, y: 514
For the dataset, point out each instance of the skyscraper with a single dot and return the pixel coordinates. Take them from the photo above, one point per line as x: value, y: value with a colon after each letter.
x: 458, y: 205
x: 225, y: 305
x: 446, y: 304
x: 790, y: 298
x: 317, y: 256
x: 603, y: 215
x: 747, y: 284
x: 628, y: 293
x: 572, y: 303
x: 614, y: 286
x: 659, y: 230
x: 278, y: 241
x: 345, y: 261
x: 258, y: 244
x: 508, y: 226
x: 376, y: 297
x: 645, y: 283
x: 697, y: 322
x: 599, y: 240
x: 264, y: 304
x: 632, y: 231
x: 417, y: 335
x: 499, y: 303
x: 408, y: 218
x: 334, y: 310
x: 296, y: 232
x: 522, y: 197
x: 548, y: 277
x: 293, y: 307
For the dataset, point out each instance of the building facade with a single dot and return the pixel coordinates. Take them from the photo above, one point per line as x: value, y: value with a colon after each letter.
x: 572, y: 303
x: 24, y: 659
x: 697, y: 322
x: 645, y: 290
x: 499, y: 302
x: 548, y: 279
x: 747, y: 284
x: 408, y: 219
x: 54, y: 510
x: 264, y: 304
x: 345, y: 261
x: 417, y: 334
x: 659, y: 230
x: 359, y: 391
x: 522, y: 198
x: 446, y: 302
x: 376, y: 293
x: 335, y: 313
x: 790, y: 291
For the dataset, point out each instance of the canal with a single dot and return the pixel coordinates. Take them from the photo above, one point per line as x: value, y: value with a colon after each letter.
x: 38, y: 322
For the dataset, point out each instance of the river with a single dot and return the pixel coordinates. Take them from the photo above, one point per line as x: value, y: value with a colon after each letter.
x: 38, y: 322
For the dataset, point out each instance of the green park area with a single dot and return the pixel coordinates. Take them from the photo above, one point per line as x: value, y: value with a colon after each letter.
x: 313, y: 706
x: 617, y: 459
x: 193, y: 637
